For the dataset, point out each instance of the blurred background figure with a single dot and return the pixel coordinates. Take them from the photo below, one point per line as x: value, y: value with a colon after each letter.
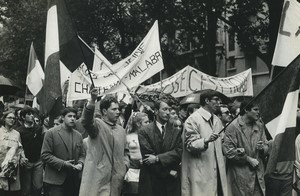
x: 121, y: 119
x: 10, y: 149
x: 176, y: 124
x: 58, y: 121
x: 173, y: 112
x: 191, y: 108
x: 224, y: 114
x: 182, y: 113
x: 135, y: 122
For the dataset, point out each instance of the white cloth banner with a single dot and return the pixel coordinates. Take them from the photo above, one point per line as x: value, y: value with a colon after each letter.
x: 288, y: 38
x: 145, y: 61
x: 100, y: 62
x: 190, y: 79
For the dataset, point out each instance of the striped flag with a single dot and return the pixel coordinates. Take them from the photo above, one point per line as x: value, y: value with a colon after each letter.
x: 278, y: 108
x: 35, y: 73
x: 62, y: 47
x: 288, y: 39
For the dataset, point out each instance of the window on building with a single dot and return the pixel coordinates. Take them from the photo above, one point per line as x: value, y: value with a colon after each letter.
x: 231, y: 62
x: 231, y: 41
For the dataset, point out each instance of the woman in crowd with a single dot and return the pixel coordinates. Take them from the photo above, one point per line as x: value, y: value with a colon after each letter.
x: 135, y: 122
x: 10, y: 149
x: 176, y: 123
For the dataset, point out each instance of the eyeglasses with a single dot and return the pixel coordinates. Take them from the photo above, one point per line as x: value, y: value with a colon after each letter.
x: 227, y: 112
x: 217, y: 99
x: 11, y: 118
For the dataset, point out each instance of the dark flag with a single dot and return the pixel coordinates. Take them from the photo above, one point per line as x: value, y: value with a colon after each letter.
x: 62, y: 48
x: 278, y: 108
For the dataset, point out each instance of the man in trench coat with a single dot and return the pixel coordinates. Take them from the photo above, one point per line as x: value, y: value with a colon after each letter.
x: 203, y: 166
x: 161, y: 148
x: 107, y: 159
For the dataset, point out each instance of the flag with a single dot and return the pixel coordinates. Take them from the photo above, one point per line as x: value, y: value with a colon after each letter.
x: 100, y: 62
x: 62, y: 47
x: 35, y: 73
x: 278, y: 109
x: 144, y: 62
x: 288, y: 39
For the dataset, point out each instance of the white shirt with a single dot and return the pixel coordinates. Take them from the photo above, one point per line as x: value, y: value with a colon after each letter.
x: 159, y: 125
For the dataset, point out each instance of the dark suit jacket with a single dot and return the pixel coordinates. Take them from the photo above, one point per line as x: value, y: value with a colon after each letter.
x: 156, y: 179
x: 55, y: 151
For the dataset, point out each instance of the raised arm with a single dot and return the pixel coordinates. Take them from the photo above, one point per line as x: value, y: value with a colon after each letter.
x: 88, y: 115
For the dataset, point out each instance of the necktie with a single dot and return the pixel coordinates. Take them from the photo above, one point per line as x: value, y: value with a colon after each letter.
x: 211, y: 121
x: 163, y: 131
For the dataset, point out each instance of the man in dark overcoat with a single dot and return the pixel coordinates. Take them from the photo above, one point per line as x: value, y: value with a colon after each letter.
x: 161, y: 148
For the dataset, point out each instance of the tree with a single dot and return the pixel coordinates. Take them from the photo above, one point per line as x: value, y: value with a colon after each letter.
x: 23, y: 23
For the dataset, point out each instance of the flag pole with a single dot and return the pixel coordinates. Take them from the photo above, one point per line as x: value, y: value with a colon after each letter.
x: 104, y: 63
x: 160, y: 76
x: 111, y: 72
x: 26, y: 91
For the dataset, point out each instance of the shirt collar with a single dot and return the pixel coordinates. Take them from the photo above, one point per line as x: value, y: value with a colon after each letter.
x: 159, y: 125
x: 205, y: 114
x: 109, y: 123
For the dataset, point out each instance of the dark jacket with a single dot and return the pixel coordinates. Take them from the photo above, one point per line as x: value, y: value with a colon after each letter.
x: 155, y: 179
x: 32, y: 140
x: 55, y: 151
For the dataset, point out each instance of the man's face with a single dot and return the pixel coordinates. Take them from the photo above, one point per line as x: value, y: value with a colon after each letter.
x: 214, y: 104
x: 173, y: 113
x: 253, y: 114
x: 29, y: 117
x: 112, y: 113
x: 226, y: 115
x: 79, y: 112
x: 163, y: 113
x: 69, y: 119
x: 182, y: 112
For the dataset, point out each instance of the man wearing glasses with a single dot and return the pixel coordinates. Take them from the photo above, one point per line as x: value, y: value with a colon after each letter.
x: 224, y: 114
x: 203, y: 167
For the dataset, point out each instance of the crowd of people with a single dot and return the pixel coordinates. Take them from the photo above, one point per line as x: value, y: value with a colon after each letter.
x: 109, y: 148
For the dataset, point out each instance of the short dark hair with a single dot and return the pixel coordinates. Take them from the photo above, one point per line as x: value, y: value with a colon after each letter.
x: 208, y: 94
x: 158, y: 102
x: 105, y: 103
x: 191, y: 106
x: 26, y: 110
x: 247, y: 105
x: 122, y: 105
x: 67, y: 110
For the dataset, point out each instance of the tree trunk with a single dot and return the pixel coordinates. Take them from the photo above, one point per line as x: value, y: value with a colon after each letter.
x: 211, y: 40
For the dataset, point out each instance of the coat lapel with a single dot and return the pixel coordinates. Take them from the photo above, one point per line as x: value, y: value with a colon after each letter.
x: 157, y: 137
x: 64, y: 137
x: 168, y: 136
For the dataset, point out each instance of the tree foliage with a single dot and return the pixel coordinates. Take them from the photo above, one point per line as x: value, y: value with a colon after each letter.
x: 117, y: 26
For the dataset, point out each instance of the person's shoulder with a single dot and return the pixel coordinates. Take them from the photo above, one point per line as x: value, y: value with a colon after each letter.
x: 20, y: 128
x: 54, y: 130
x: 15, y: 132
x: 77, y: 133
x: 148, y: 127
